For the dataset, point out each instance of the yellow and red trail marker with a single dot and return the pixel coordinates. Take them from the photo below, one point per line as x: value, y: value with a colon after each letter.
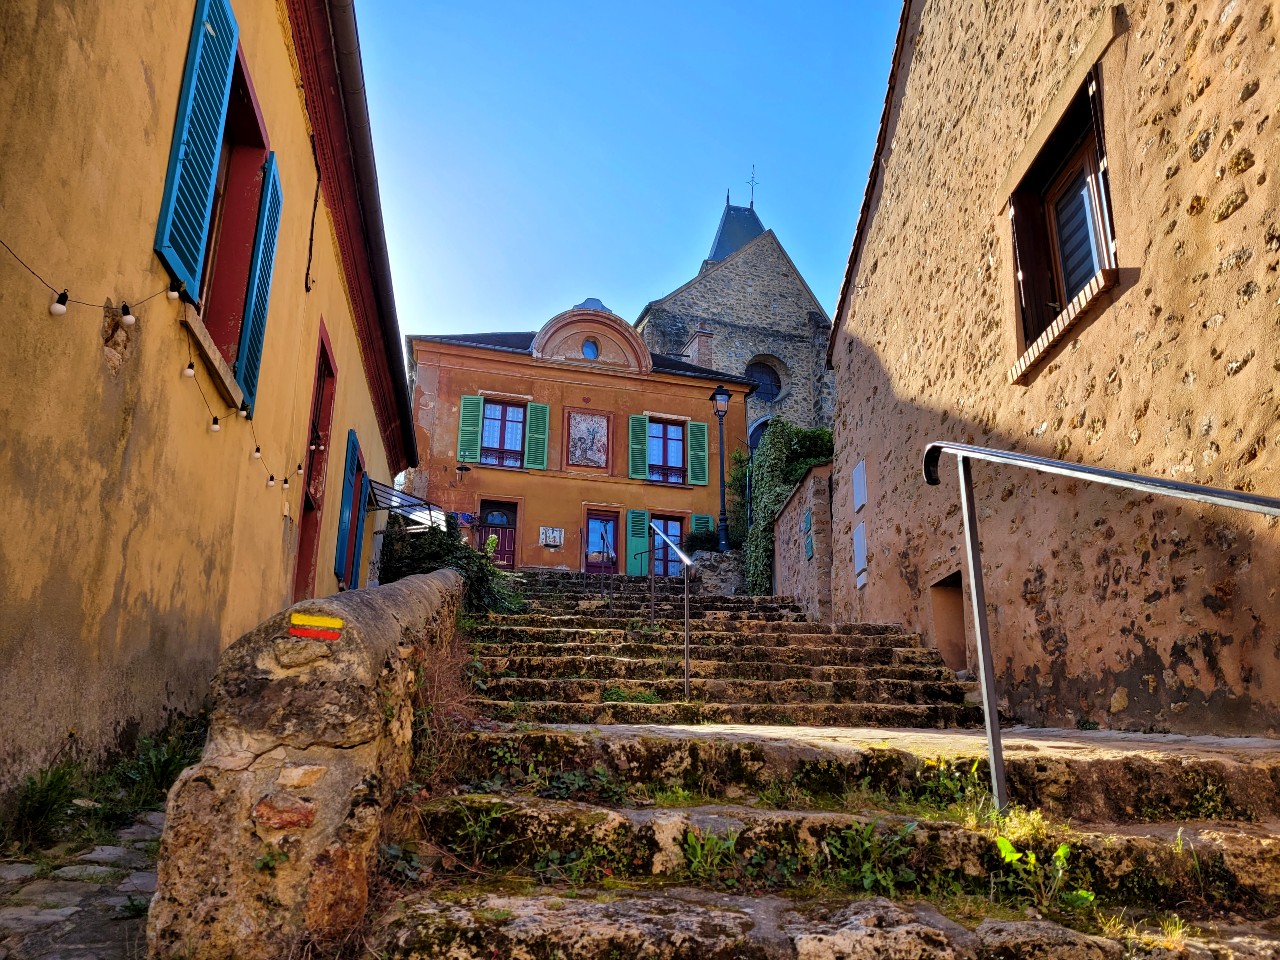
x: 315, y: 627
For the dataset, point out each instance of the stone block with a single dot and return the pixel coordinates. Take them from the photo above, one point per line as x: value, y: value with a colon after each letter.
x: 270, y: 837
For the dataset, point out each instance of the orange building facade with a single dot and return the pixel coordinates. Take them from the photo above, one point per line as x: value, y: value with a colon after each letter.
x: 565, y: 444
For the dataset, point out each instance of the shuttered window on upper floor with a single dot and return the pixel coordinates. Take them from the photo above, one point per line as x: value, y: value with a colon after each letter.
x: 220, y: 212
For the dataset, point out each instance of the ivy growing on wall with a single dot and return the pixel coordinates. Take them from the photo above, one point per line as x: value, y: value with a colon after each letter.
x: 785, y: 453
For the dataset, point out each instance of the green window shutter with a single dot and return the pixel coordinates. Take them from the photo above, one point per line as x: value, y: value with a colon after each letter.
x: 638, y: 537
x: 470, y: 423
x: 698, y: 454
x: 187, y: 204
x: 703, y: 523
x: 638, y: 448
x: 537, y: 422
x: 808, y: 547
x: 808, y: 520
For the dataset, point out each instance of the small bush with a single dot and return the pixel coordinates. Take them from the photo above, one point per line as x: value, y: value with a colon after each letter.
x: 702, y: 540
x: 42, y: 807
x: 404, y: 554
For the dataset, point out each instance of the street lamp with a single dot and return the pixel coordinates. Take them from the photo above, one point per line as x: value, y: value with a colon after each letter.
x: 720, y: 398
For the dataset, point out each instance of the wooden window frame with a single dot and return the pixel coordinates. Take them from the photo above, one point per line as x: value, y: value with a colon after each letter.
x: 664, y: 467
x: 504, y: 451
x: 1077, y: 142
x: 1084, y: 159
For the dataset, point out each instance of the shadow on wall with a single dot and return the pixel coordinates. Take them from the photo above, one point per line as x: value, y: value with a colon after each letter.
x: 1122, y: 610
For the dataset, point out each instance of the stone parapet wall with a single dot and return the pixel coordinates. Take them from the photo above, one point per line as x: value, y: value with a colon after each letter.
x: 805, y: 518
x: 270, y: 838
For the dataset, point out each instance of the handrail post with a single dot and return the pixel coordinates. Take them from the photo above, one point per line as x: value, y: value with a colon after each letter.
x: 986, y: 666
x: 653, y: 586
x: 686, y: 633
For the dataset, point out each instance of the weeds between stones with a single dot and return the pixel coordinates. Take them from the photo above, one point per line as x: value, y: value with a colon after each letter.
x: 72, y: 802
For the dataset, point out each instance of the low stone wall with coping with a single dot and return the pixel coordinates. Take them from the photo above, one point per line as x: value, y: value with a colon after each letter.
x: 270, y: 839
x: 802, y: 545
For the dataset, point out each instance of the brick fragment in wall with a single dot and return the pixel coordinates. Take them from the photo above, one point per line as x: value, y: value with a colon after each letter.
x: 1171, y: 375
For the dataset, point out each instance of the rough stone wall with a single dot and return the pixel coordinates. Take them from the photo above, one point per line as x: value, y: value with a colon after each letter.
x: 270, y: 838
x: 720, y: 574
x: 1127, y: 611
x: 754, y: 303
x: 807, y: 580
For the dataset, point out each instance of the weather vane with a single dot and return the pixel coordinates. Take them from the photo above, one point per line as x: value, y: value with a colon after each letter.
x: 752, y: 182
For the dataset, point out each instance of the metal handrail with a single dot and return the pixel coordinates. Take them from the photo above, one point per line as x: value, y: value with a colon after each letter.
x: 964, y: 453
x: 653, y: 593
x: 606, y: 578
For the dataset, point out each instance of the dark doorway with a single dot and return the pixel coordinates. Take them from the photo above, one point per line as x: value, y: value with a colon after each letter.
x: 602, y: 542
x: 322, y: 394
x: 499, y: 520
x: 946, y: 597
x: 665, y: 561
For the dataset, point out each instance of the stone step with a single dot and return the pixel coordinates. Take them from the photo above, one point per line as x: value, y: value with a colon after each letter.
x: 674, y: 606
x: 811, y: 656
x: 728, y: 691
x: 679, y: 923
x: 515, y: 634
x: 930, y: 715
x: 619, y: 668
x: 1203, y: 870
x: 708, y: 621
x: 1079, y: 781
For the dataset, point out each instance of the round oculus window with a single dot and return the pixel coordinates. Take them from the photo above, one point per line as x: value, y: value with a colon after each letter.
x: 591, y: 348
x: 768, y: 383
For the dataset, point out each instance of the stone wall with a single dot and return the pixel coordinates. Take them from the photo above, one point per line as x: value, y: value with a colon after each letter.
x: 720, y: 574
x: 270, y: 838
x: 754, y: 304
x: 805, y: 519
x: 1126, y: 611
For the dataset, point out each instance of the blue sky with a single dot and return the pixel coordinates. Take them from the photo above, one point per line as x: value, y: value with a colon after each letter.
x: 531, y: 155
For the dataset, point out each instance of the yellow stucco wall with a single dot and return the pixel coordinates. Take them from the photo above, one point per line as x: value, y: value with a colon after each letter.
x: 136, y: 543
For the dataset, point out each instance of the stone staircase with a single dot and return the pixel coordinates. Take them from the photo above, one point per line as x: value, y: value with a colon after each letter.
x: 583, y: 655
x: 592, y: 825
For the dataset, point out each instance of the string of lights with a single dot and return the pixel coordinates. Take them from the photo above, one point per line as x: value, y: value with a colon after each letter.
x: 174, y: 291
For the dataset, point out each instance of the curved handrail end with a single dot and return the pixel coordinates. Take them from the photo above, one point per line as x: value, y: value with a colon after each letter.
x: 932, y: 454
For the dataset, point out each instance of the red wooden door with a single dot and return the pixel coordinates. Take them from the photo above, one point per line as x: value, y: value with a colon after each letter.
x: 499, y: 520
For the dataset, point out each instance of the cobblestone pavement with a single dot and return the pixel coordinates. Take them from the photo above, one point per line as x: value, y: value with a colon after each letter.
x: 91, y: 908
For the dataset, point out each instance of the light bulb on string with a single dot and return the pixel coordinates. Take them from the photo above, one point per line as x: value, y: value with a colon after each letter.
x: 126, y: 315
x: 286, y: 483
x: 299, y: 469
x: 174, y: 291
x: 59, y: 306
x: 271, y: 480
x: 215, y: 426
x: 190, y: 371
x: 244, y: 410
x: 257, y: 453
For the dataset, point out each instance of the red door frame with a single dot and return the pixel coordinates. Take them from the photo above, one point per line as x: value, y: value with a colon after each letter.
x: 319, y: 435
x: 506, y: 535
x: 596, y: 549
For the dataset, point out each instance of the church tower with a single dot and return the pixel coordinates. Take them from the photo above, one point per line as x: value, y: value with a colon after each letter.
x: 749, y: 312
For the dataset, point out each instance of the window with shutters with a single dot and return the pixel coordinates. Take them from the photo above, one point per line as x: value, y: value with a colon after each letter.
x: 1063, y: 238
x: 220, y: 213
x: 502, y: 434
x: 667, y: 452
x: 351, y: 514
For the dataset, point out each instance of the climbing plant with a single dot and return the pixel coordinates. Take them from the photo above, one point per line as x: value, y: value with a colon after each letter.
x: 785, y: 453
x: 403, y: 553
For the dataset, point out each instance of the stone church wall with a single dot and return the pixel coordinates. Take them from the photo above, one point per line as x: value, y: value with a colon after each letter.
x: 755, y: 305
x: 1126, y: 611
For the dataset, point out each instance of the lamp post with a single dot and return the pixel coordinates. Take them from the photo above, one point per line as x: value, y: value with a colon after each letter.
x: 720, y: 398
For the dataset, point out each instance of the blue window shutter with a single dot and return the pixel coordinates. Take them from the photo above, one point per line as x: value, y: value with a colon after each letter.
x: 344, y: 510
x: 355, y: 561
x: 253, y: 331
x: 183, y: 228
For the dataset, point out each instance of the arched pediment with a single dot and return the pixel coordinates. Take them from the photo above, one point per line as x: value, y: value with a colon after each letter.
x: 569, y: 337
